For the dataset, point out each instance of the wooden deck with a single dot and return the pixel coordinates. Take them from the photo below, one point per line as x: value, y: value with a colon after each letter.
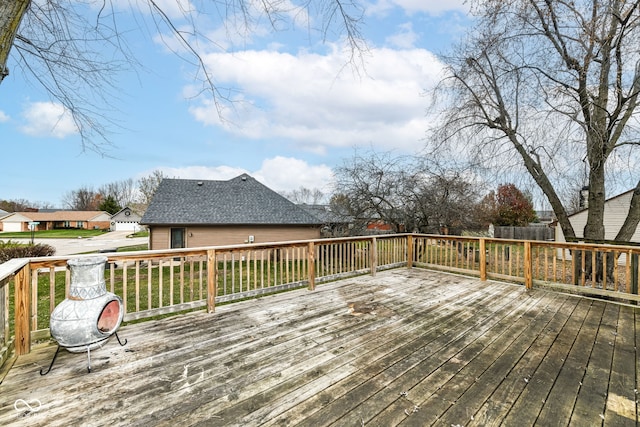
x: 406, y: 347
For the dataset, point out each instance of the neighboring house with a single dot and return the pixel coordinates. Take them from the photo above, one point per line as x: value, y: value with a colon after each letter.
x: 3, y: 213
x: 333, y: 224
x: 195, y: 213
x: 126, y: 220
x: 615, y: 213
x: 19, y: 221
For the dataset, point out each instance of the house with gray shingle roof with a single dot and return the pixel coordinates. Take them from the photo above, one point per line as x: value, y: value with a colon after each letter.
x: 127, y: 219
x: 195, y: 213
x: 333, y: 224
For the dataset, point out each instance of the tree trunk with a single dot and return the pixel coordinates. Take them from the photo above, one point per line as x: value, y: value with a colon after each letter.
x: 633, y: 218
x: 594, y: 229
x: 11, y: 13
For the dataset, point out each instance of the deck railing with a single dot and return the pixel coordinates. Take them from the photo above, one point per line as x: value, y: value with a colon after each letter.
x: 596, y: 270
x: 153, y: 283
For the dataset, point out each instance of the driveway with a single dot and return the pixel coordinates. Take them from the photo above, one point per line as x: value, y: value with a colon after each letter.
x: 110, y: 240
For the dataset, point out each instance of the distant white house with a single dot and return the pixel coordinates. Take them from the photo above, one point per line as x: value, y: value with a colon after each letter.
x: 615, y: 213
x: 126, y: 220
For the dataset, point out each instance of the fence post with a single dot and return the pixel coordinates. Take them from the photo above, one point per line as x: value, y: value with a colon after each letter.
x: 634, y: 273
x: 409, y: 250
x: 311, y: 261
x: 22, y: 295
x: 483, y: 259
x: 528, y: 265
x: 212, y: 280
x: 373, y: 255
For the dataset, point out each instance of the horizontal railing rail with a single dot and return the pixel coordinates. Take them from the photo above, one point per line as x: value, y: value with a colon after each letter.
x: 161, y: 282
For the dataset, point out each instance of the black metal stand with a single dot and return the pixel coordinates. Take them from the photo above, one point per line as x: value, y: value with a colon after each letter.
x: 51, y: 365
x: 118, y: 338
x: 88, y: 355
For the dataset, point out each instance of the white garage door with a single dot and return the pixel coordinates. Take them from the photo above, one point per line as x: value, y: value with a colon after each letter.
x: 12, y: 226
x: 127, y: 226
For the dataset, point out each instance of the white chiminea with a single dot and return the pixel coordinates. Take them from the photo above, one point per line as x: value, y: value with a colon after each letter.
x: 89, y: 315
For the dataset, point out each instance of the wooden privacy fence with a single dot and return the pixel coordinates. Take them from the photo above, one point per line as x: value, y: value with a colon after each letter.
x: 153, y: 283
x: 535, y: 232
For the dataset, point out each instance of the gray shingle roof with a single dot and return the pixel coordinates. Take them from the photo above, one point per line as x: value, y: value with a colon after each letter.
x: 241, y: 200
x: 324, y: 213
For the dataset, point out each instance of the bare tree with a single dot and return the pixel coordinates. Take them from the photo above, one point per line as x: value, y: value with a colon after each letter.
x: 75, y: 49
x: 550, y: 87
x: 148, y: 185
x: 83, y: 199
x: 305, y: 195
x: 122, y: 192
x: 405, y: 194
x: 22, y: 205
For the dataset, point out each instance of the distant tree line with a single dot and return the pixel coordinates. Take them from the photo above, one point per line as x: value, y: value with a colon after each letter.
x: 111, y: 197
x: 410, y: 195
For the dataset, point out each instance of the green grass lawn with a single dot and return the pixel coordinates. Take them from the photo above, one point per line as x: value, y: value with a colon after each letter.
x: 63, y: 233
x: 140, y: 234
x: 133, y: 248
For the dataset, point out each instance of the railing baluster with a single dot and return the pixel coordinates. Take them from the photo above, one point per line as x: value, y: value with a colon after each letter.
x: 137, y: 270
x: 124, y: 286
x: 34, y: 300
x: 52, y: 289
x: 149, y: 283
x: 181, y: 261
x: 192, y: 275
x: 160, y: 283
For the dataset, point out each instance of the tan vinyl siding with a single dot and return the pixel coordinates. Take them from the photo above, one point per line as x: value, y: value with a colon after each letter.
x: 230, y: 235
x: 615, y: 212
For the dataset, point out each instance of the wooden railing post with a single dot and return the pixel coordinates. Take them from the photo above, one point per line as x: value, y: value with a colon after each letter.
x: 212, y: 280
x: 22, y: 308
x: 528, y: 265
x: 409, y: 250
x: 373, y: 256
x: 311, y: 261
x: 483, y: 259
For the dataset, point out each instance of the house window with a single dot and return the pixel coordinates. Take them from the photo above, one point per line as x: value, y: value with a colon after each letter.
x: 80, y: 224
x: 66, y: 224
x: 177, y: 238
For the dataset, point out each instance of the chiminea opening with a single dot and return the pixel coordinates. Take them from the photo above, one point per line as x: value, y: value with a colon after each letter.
x: 109, y: 319
x: 90, y: 315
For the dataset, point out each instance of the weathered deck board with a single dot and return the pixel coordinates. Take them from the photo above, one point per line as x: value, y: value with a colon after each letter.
x: 421, y: 348
x: 622, y: 395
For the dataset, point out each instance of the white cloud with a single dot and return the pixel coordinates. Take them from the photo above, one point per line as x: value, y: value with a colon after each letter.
x: 172, y: 8
x: 288, y: 173
x: 48, y: 119
x: 3, y: 117
x: 310, y: 100
x: 405, y: 38
x: 281, y: 174
x: 433, y: 7
x: 199, y: 172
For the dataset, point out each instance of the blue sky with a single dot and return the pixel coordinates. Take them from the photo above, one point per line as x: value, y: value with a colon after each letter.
x: 298, y: 108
